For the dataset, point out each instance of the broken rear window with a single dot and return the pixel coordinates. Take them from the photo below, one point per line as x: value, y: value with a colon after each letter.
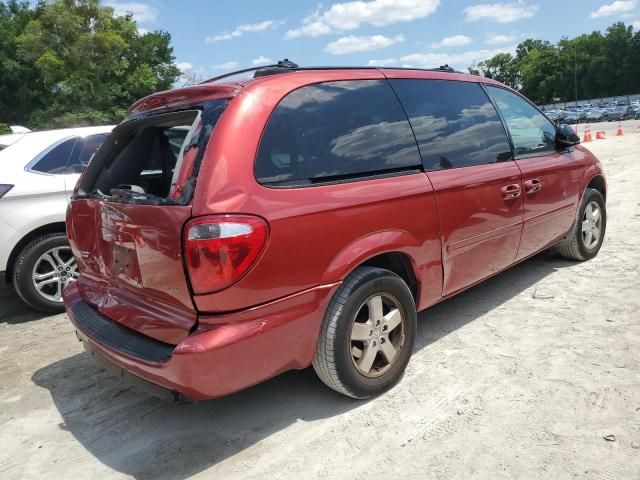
x: 153, y: 159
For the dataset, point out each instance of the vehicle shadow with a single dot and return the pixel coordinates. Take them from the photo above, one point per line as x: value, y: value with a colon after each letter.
x: 143, y: 437
x: 12, y: 309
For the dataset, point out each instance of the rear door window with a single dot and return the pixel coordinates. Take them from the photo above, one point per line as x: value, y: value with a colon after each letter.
x: 333, y: 131
x: 455, y: 123
x: 54, y: 159
x: 531, y: 132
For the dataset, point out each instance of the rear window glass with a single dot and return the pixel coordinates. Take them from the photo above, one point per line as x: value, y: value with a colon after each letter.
x: 153, y: 159
x: 83, y: 151
x: 148, y: 154
x: 334, y: 130
x: 455, y: 123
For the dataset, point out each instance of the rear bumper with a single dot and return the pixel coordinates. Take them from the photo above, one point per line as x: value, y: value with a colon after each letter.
x: 225, y: 354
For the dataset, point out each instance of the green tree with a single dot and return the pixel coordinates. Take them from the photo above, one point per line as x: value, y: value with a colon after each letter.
x: 84, y: 64
x: 18, y: 80
x: 502, y: 68
x: 587, y: 66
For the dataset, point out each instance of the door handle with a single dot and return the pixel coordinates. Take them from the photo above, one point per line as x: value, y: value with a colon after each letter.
x: 509, y: 192
x: 532, y: 186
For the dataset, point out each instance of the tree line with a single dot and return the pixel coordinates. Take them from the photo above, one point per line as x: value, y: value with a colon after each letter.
x: 73, y: 62
x: 599, y: 65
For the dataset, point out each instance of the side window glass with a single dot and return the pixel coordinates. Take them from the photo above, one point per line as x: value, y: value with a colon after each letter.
x: 336, y: 130
x: 83, y: 151
x: 455, y: 123
x: 530, y: 131
x: 54, y: 160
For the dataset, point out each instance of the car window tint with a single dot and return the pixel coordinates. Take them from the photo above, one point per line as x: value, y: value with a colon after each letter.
x: 334, y: 130
x: 455, y: 123
x: 83, y: 151
x: 54, y: 160
x: 530, y: 131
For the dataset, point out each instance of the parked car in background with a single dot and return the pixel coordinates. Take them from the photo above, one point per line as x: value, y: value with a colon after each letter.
x: 9, y: 139
x: 636, y: 113
x: 572, y: 117
x: 307, y: 217
x: 620, y: 112
x: 19, y: 129
x: 597, y: 115
x: 37, y: 175
x: 17, y: 132
x: 556, y: 116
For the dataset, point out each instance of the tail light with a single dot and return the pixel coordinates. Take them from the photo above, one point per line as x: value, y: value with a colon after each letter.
x: 4, y: 188
x: 219, y: 249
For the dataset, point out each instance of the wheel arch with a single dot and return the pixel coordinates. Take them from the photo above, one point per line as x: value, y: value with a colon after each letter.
x: 391, y: 250
x: 599, y: 183
x: 54, y: 227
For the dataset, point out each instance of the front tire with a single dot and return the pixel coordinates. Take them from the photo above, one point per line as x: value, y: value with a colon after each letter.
x: 41, y: 271
x: 367, y: 335
x: 588, y: 232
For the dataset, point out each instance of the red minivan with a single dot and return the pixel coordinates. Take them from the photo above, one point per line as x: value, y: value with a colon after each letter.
x: 287, y: 217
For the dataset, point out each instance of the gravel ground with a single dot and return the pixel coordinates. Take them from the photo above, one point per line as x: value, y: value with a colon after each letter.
x: 533, y: 374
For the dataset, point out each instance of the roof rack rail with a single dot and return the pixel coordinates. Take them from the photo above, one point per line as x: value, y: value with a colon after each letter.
x: 441, y: 68
x: 288, y: 66
x: 261, y: 71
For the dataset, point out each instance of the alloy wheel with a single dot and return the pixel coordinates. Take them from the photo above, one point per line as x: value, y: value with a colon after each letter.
x: 591, y: 225
x: 53, y: 271
x: 377, y: 335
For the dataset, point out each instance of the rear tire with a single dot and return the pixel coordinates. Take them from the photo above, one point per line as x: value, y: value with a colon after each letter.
x: 585, y: 240
x: 367, y: 335
x: 56, y: 272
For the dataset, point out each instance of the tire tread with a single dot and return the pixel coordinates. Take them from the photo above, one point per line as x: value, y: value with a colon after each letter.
x: 19, y: 273
x: 324, y: 362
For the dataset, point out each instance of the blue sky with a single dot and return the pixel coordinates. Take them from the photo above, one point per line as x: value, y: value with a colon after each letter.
x: 212, y: 37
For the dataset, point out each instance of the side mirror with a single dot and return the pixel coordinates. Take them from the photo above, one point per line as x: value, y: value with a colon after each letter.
x: 566, y: 136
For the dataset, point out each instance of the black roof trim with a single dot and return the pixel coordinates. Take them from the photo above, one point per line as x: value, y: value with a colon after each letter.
x: 284, y: 66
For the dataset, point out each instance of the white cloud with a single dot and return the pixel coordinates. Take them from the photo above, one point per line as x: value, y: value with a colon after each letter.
x: 455, y: 60
x: 458, y: 61
x: 496, y: 39
x: 184, y: 66
x: 352, y: 44
x: 142, y: 31
x: 141, y: 12
x: 261, y: 61
x: 453, y: 41
x: 350, y: 15
x: 636, y: 24
x: 500, y: 12
x: 383, y: 62
x: 242, y: 29
x: 615, y: 8
x: 225, y: 65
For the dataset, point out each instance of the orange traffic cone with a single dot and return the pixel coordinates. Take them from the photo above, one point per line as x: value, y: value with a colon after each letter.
x: 587, y: 133
x: 620, y: 132
x: 600, y: 135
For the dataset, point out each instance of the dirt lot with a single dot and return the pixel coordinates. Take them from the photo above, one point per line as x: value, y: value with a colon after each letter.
x: 521, y: 377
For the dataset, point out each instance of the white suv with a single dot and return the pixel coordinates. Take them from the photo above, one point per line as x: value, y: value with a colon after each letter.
x: 37, y: 175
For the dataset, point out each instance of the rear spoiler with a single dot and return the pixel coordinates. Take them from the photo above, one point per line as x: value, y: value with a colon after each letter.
x: 187, y: 97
